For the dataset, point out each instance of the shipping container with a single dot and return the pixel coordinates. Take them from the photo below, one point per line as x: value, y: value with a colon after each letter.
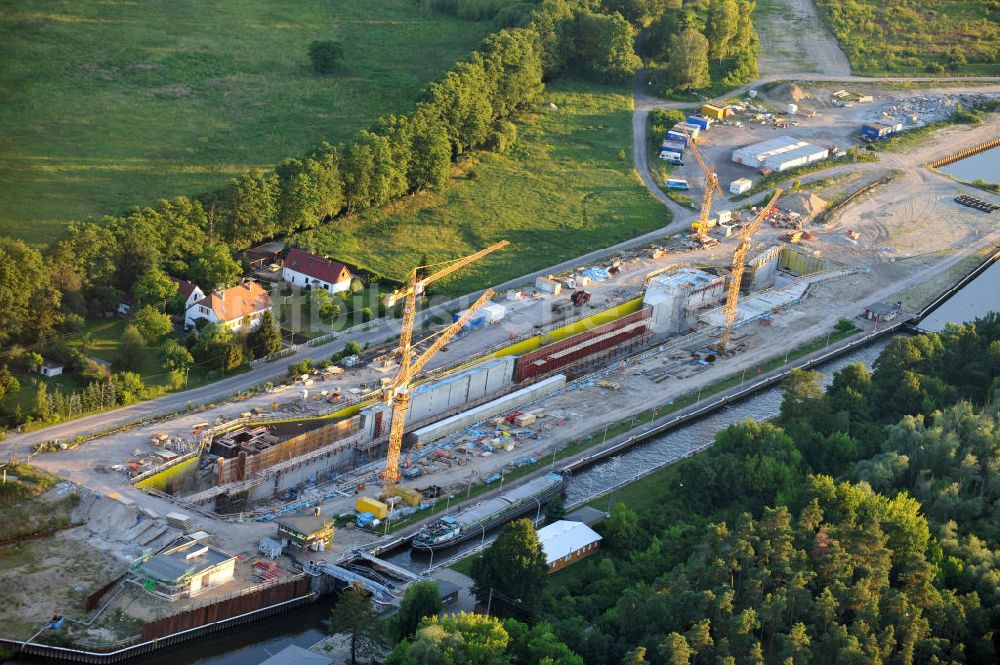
x: 740, y: 186
x: 494, y: 312
x: 677, y: 136
x: 716, y: 112
x: 374, y: 506
x: 546, y: 285
x: 701, y: 122
x: 693, y: 130
x: 879, y: 130
x: 674, y: 183
x: 673, y: 146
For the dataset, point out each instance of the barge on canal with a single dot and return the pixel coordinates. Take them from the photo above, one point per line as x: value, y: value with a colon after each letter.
x: 452, y: 530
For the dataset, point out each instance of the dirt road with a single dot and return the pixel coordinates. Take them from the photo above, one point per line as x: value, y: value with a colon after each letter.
x: 796, y: 40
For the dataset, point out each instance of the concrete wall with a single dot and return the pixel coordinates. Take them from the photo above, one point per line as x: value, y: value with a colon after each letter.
x: 300, y: 473
x: 452, y: 392
x: 483, y: 411
x: 761, y: 270
x: 800, y: 263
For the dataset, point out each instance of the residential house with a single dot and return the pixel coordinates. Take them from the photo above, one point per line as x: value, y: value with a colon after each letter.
x: 308, y: 270
x: 185, y: 568
x: 189, y: 291
x: 239, y: 307
x: 565, y: 542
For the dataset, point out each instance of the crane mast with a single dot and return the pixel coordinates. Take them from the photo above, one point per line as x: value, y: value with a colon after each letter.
x: 739, y: 263
x: 711, y: 186
x: 396, y: 392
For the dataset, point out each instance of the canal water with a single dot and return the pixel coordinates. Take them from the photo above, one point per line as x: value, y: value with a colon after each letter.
x: 976, y: 299
x: 985, y: 165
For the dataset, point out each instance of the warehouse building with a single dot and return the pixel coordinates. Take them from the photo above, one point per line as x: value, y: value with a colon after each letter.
x: 779, y: 154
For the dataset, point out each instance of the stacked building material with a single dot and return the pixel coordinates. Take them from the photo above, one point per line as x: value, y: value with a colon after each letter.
x: 179, y: 521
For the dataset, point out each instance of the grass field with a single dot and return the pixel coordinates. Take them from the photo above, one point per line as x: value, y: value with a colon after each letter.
x: 904, y: 37
x: 566, y: 188
x: 111, y: 104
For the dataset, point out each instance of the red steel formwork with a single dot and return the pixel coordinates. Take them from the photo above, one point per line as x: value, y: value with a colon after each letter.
x: 567, y: 351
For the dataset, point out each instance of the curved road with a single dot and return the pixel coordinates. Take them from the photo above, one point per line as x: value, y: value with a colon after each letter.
x: 644, y: 103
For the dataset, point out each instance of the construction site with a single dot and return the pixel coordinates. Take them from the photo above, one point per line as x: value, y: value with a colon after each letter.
x: 292, y: 486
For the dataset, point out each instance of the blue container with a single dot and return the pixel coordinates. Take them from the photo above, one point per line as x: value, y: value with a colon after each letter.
x: 677, y: 136
x: 673, y: 146
x: 701, y: 122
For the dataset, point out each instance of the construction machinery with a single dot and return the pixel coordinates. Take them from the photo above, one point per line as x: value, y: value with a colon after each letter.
x: 739, y: 263
x: 711, y: 187
x: 580, y: 298
x: 396, y: 392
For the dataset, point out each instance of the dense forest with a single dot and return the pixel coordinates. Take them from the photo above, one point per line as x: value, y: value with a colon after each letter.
x: 859, y: 526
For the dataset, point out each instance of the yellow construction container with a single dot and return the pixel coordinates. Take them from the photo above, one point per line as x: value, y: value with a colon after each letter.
x: 373, y: 506
x: 715, y: 112
x: 409, y: 497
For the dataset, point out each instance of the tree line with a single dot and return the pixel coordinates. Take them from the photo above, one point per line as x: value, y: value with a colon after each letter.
x: 859, y: 526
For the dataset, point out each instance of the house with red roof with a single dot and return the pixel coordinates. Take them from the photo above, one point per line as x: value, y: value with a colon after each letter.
x: 189, y: 291
x: 310, y: 271
x: 239, y: 307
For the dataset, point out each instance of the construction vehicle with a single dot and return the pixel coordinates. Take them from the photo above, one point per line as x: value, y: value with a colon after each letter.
x: 711, y: 186
x: 580, y: 298
x: 396, y: 392
x: 739, y: 263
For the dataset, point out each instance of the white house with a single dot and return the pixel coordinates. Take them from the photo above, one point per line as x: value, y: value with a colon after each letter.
x: 189, y: 291
x: 305, y: 269
x: 50, y: 368
x: 238, y: 307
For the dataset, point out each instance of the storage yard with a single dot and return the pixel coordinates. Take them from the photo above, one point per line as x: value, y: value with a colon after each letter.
x: 540, y: 367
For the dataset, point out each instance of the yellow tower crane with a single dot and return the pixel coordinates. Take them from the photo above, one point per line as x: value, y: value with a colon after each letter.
x: 396, y: 392
x: 739, y: 263
x: 711, y: 186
